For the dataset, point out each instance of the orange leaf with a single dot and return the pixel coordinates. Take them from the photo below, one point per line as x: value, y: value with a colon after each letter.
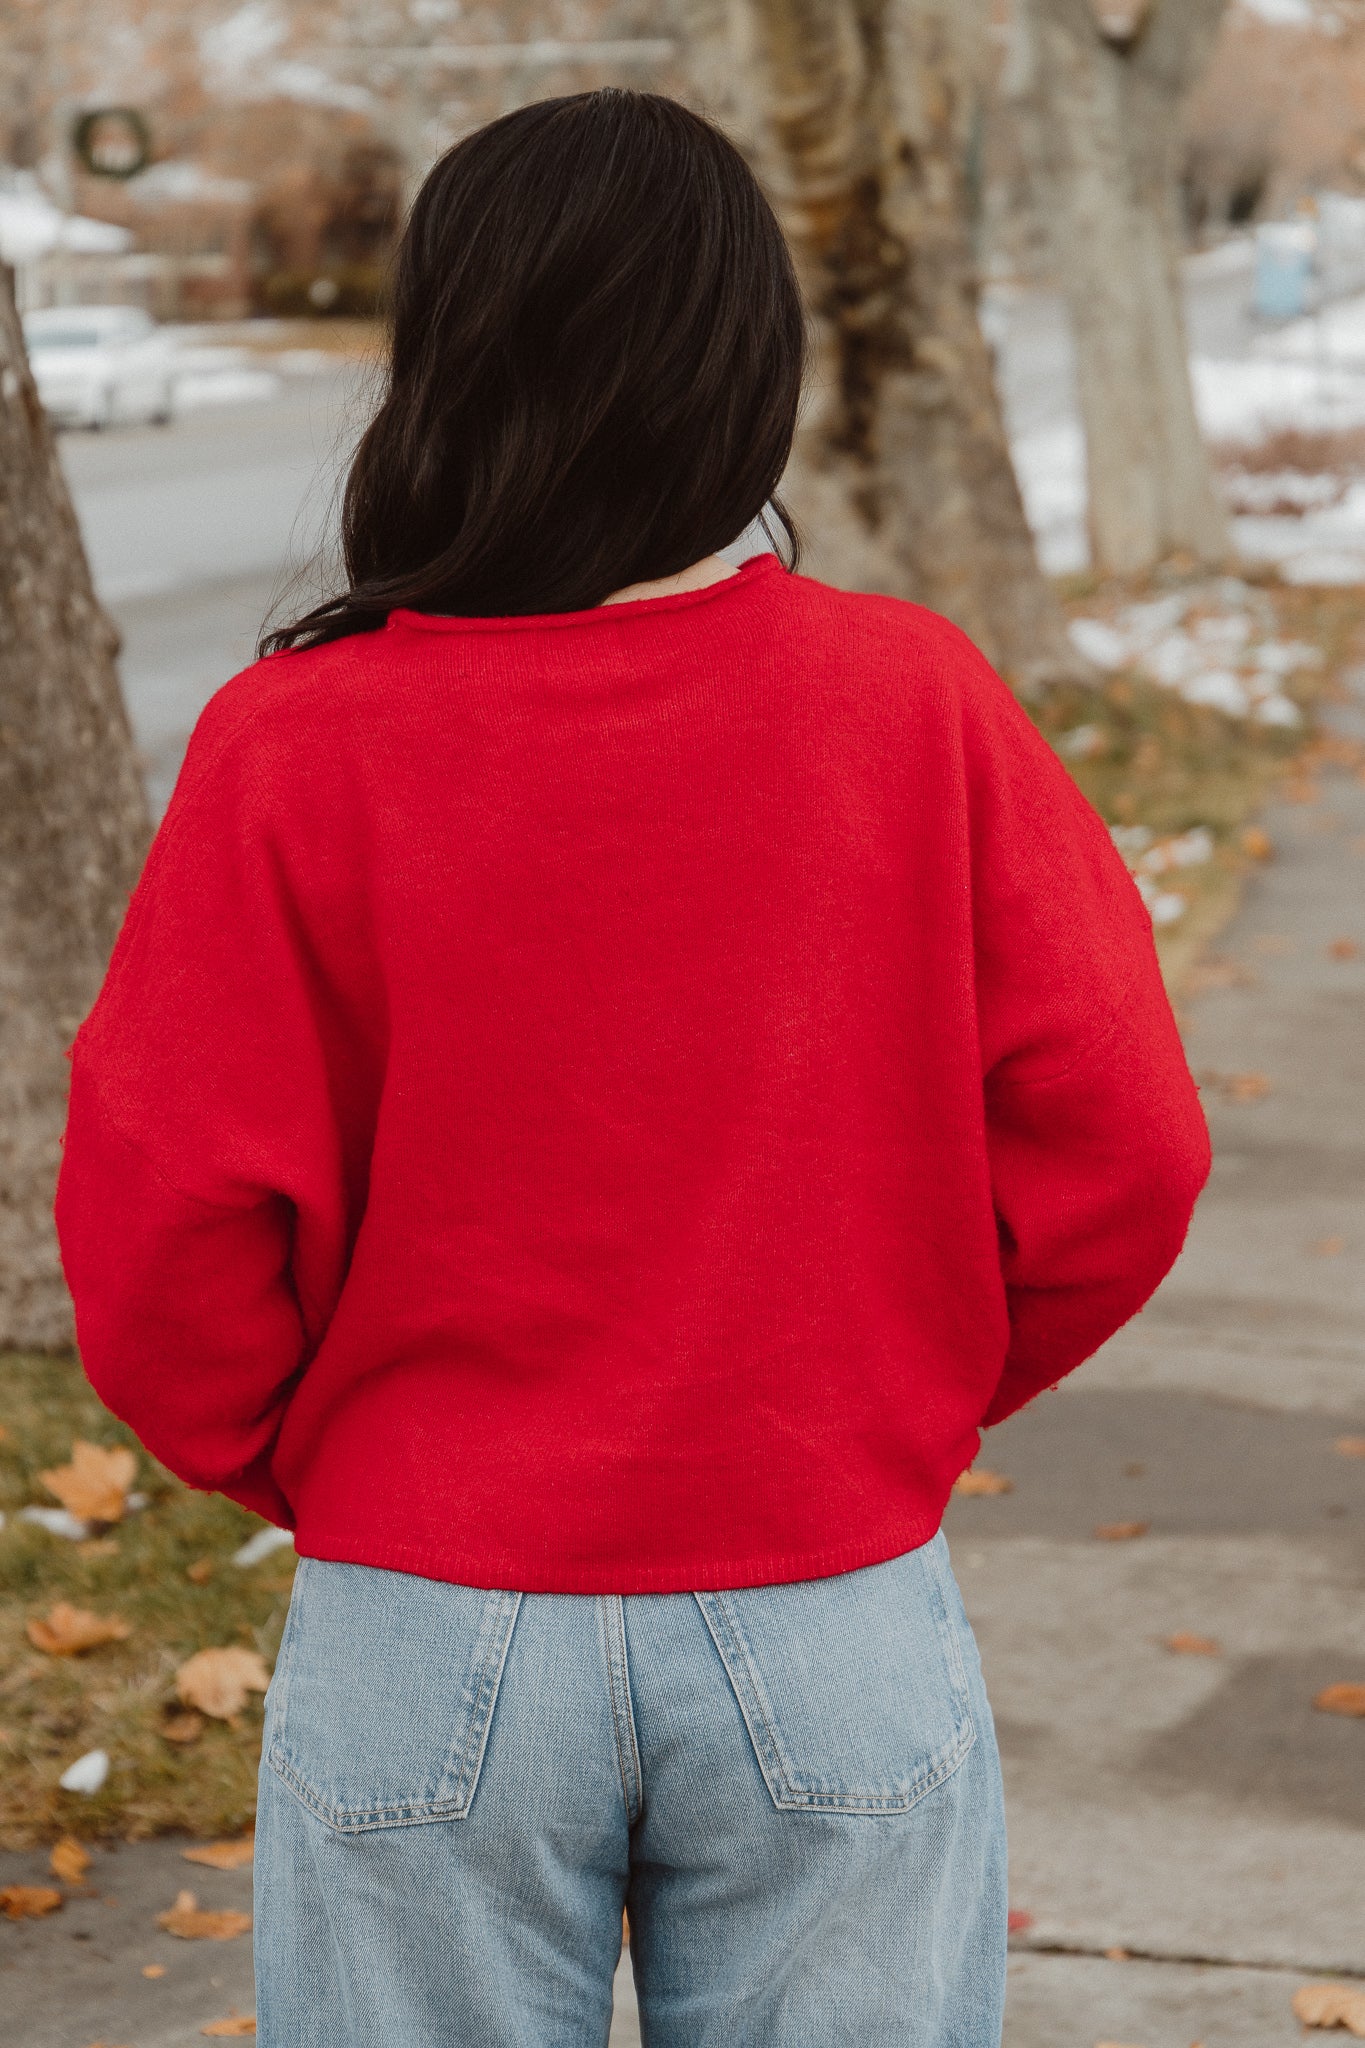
x: 68, y: 1631
x: 69, y: 1860
x: 1331, y: 2005
x: 1257, y: 843
x: 200, y: 1572
x: 28, y: 1901
x: 185, y: 1919
x: 235, y: 2025
x: 183, y: 1728
x: 222, y: 1855
x: 979, y: 1481
x: 1328, y: 1247
x: 218, y: 1681
x: 1186, y: 1644
x: 1350, y: 1446
x: 1344, y: 949
x: 1343, y: 1698
x: 94, y: 1486
x: 1121, y: 1532
x: 1246, y: 1087
x: 153, y: 1969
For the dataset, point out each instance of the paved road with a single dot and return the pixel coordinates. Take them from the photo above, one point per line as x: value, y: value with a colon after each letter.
x: 196, y: 531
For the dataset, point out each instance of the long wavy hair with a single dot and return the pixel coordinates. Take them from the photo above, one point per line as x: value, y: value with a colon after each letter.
x: 595, y: 367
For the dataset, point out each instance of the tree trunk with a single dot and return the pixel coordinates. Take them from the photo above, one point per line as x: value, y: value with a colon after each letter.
x: 1102, y: 90
x: 73, y: 832
x: 857, y: 112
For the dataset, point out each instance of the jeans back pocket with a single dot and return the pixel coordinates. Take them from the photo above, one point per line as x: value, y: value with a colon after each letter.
x: 854, y: 1689
x: 379, y: 1710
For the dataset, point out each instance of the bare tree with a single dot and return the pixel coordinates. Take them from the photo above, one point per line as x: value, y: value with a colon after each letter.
x: 1102, y: 85
x: 857, y: 112
x: 73, y: 832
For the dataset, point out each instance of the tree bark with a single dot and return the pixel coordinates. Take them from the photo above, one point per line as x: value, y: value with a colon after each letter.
x: 1102, y: 90
x: 857, y: 113
x: 73, y: 833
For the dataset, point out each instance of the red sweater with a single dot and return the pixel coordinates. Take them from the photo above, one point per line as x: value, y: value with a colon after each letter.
x: 611, y: 1102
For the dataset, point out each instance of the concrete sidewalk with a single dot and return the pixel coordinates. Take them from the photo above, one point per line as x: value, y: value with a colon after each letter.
x: 1192, y: 1811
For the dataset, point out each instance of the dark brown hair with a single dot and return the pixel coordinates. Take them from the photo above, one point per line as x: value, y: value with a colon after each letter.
x: 595, y: 368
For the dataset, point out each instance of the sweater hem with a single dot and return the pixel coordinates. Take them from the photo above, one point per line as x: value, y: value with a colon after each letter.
x: 497, y: 1573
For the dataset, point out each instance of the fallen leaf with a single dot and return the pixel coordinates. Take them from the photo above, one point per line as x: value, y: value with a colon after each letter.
x: 28, y: 1901
x: 1344, y: 1698
x: 69, y: 1631
x: 1257, y: 843
x: 218, y: 1681
x: 1344, y: 949
x: 69, y: 1860
x: 98, y: 1546
x: 1350, y: 1446
x: 979, y: 1481
x: 1186, y: 1644
x: 1121, y: 1532
x: 94, y: 1486
x: 1328, y: 1247
x: 185, y: 1920
x: 1246, y: 1087
x: 200, y: 1572
x: 153, y: 1969
x: 1303, y: 792
x: 1331, y: 2005
x: 222, y: 1855
x: 183, y: 1728
x: 1116, y: 1955
x: 235, y: 2025
x: 1018, y: 1921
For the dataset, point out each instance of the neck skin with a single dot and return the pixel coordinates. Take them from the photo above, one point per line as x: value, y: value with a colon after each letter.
x: 711, y: 569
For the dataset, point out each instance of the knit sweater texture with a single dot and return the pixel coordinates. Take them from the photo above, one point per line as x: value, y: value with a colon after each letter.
x: 614, y: 1101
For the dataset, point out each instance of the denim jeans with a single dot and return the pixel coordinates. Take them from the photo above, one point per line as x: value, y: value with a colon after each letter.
x: 794, y: 1789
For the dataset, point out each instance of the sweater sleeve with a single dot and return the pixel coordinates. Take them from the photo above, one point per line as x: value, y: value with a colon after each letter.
x: 199, y: 1200
x: 1096, y: 1140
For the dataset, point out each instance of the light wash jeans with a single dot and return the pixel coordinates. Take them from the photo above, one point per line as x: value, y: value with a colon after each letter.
x: 795, y: 1790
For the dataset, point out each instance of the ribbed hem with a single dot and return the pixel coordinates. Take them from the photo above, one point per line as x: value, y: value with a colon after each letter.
x: 696, y: 1574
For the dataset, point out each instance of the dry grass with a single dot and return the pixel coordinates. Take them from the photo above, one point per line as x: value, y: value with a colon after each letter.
x: 118, y: 1698
x: 1170, y: 765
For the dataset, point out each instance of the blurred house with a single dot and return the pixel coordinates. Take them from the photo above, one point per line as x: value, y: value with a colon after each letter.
x: 1280, y: 113
x: 284, y: 136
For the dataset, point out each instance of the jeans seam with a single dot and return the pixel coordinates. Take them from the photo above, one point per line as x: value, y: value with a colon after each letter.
x: 613, y: 1620
x: 722, y: 1621
x: 462, y: 1768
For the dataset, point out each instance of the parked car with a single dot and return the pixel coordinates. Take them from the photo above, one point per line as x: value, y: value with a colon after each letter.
x: 97, y: 365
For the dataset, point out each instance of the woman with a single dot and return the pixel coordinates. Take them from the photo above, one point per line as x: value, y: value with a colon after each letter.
x: 616, y: 1067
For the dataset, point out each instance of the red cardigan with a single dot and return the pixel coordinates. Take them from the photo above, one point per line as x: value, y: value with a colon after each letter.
x: 612, y: 1101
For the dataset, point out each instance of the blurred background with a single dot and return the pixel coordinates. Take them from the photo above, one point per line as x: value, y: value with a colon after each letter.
x: 237, y: 175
